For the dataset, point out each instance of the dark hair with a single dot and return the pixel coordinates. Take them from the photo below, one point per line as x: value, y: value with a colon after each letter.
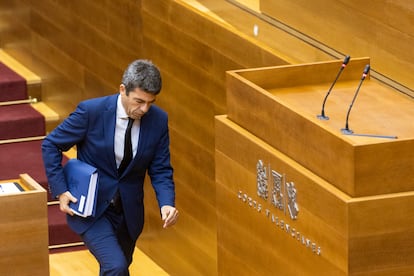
x: 142, y: 74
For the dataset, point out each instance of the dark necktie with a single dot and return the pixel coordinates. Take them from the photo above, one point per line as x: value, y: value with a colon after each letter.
x: 127, y: 148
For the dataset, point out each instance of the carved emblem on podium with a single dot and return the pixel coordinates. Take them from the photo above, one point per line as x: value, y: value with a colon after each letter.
x: 292, y: 205
x: 262, y: 187
x: 277, y: 193
x: 283, y: 195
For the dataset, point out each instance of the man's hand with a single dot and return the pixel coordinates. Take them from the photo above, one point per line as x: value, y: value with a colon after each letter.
x: 169, y: 215
x: 64, y: 200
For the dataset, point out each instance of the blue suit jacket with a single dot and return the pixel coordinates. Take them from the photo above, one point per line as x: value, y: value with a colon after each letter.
x: 91, y: 127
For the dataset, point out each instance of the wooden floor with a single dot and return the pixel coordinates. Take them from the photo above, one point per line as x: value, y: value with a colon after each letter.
x: 82, y: 263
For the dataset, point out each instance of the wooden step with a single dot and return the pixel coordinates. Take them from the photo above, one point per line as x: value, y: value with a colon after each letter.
x: 51, y: 117
x: 21, y: 121
x: 60, y: 235
x: 33, y: 89
x: 34, y: 82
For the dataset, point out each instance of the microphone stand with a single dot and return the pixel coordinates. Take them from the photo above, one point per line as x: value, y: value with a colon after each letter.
x: 348, y: 131
x: 322, y: 115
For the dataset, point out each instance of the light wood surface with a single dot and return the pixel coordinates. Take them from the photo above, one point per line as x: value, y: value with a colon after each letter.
x: 16, y: 66
x: 352, y: 27
x: 252, y: 4
x: 82, y: 263
x: 370, y: 235
x: 270, y: 249
x: 287, y: 100
x: 52, y: 118
x: 24, y: 232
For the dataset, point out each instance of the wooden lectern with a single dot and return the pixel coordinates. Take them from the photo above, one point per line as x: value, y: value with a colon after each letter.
x: 297, y: 196
x: 24, y: 229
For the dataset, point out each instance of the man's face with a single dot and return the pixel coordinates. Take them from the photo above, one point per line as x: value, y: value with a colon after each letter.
x: 137, y: 102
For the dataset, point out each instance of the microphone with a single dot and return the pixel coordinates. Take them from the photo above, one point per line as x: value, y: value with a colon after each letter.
x: 346, y: 130
x: 344, y: 63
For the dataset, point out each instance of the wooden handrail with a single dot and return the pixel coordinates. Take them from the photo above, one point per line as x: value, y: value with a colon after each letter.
x: 30, y: 100
x: 25, y: 139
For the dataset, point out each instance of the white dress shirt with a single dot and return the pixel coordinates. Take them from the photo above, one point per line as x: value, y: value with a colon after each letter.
x: 120, y: 128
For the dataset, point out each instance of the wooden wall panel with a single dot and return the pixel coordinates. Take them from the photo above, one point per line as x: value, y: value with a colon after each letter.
x: 276, y: 41
x: 15, y: 29
x: 381, y: 30
x: 69, y: 41
x: 193, y: 52
x: 217, y: 35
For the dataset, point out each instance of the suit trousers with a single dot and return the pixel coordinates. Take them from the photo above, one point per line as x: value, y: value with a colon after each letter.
x: 109, y: 241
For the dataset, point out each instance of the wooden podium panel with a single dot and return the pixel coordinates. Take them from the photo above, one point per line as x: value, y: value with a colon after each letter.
x: 280, y: 105
x: 24, y: 230
x: 327, y: 232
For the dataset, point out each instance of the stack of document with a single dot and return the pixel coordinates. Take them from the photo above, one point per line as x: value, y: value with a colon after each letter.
x: 82, y: 180
x: 10, y: 188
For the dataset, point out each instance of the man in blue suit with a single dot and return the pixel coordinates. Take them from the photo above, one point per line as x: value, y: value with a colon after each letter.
x: 98, y: 128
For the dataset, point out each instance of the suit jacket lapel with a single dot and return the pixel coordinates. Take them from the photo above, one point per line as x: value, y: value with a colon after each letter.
x: 109, y: 121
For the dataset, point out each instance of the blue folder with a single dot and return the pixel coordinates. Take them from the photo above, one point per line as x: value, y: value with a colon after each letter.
x: 82, y: 180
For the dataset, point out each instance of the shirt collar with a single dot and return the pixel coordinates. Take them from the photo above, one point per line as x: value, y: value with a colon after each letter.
x: 120, y: 110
